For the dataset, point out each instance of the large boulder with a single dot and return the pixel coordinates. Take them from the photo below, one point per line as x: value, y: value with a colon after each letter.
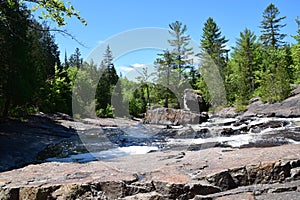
x: 194, y: 102
x: 170, y: 116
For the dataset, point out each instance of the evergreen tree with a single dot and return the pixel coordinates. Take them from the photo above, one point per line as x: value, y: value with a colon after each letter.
x: 295, y: 52
x: 66, y: 63
x: 276, y: 61
x: 213, y: 43
x: 213, y: 56
x: 181, y: 54
x: 107, y: 82
x: 243, y: 64
x: 16, y: 75
x: 271, y: 25
x: 297, y: 37
x: 75, y: 59
x: 44, y: 56
x: 166, y: 76
x: 108, y: 57
x: 181, y: 50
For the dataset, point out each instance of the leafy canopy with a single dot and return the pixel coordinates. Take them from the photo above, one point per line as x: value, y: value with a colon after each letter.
x: 55, y: 10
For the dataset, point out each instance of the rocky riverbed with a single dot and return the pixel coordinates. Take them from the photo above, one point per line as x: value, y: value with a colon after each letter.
x: 233, y: 158
x: 253, y: 155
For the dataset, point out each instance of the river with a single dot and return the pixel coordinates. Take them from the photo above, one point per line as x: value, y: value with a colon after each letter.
x: 116, y: 141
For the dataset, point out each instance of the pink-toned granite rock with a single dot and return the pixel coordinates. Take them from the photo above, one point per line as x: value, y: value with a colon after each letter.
x: 163, y: 174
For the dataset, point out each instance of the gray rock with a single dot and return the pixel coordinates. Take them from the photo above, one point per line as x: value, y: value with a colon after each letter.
x: 194, y: 102
x: 170, y: 116
x: 287, y: 108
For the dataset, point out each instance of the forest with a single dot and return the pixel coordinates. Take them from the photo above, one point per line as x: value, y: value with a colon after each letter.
x: 33, y: 78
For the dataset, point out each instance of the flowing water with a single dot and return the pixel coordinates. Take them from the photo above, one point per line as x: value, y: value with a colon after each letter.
x: 111, y: 142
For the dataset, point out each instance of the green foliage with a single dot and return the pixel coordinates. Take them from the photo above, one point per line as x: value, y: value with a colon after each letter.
x: 213, y: 57
x: 295, y: 53
x: 240, y: 108
x: 75, y: 59
x: 108, y: 80
x: 55, y: 10
x: 16, y: 74
x: 296, y: 63
x: 145, y: 81
x: 165, y: 75
x: 271, y: 26
x: 56, y: 94
x: 275, y: 85
x: 297, y: 37
x: 213, y: 43
x: 85, y: 82
x: 174, y: 67
x: 33, y: 79
x: 240, y: 80
x: 108, y: 112
x: 181, y: 50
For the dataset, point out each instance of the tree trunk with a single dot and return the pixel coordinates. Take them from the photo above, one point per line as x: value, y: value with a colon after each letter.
x: 6, y: 107
x: 148, y: 96
x: 166, y: 101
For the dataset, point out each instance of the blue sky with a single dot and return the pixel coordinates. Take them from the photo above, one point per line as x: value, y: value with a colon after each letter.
x: 107, y: 19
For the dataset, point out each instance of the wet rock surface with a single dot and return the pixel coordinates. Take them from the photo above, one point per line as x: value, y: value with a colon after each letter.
x: 215, y: 173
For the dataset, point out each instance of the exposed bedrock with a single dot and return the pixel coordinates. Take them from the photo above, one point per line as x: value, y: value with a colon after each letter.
x: 216, y: 173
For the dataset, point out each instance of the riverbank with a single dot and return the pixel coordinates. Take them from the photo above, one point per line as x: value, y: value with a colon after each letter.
x: 208, y: 174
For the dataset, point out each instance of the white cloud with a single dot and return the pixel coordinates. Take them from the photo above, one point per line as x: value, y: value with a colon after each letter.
x: 138, y: 65
x: 125, y: 68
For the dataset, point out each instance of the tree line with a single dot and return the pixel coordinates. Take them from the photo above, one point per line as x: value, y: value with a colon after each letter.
x: 259, y: 66
x: 32, y: 77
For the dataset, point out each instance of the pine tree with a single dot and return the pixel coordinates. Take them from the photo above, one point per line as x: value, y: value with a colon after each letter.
x: 213, y: 56
x: 295, y: 52
x: 75, y: 59
x: 297, y: 37
x: 107, y: 82
x: 243, y: 64
x: 165, y: 72
x: 108, y: 57
x: 271, y: 25
x: 66, y: 63
x: 213, y: 43
x: 180, y: 43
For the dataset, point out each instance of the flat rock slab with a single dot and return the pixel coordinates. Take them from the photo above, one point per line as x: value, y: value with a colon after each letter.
x: 170, y: 173
x: 20, y: 141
